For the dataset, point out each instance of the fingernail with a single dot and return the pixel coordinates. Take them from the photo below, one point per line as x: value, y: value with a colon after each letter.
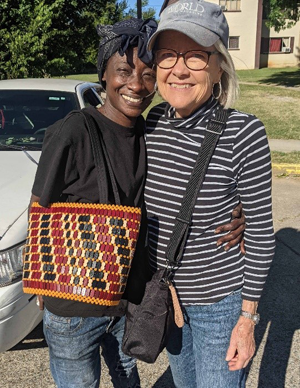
x: 218, y: 244
x: 226, y: 248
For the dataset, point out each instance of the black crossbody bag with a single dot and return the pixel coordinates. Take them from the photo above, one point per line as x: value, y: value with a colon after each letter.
x: 149, y: 324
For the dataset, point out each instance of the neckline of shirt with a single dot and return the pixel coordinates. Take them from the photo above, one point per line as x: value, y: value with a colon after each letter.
x: 120, y: 129
x: 200, y: 115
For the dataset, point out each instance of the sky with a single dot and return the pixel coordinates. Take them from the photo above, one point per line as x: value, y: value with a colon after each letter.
x: 156, y: 4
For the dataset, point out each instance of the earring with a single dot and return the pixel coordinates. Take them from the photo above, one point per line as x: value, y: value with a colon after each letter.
x: 155, y: 86
x: 220, y: 90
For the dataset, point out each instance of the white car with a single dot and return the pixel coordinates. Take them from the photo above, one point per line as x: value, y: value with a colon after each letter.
x: 27, y: 108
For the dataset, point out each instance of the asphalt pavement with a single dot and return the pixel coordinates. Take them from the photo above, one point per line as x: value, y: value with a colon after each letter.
x: 277, y: 360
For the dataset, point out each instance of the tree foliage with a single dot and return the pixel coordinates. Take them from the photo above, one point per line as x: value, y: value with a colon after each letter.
x: 281, y: 14
x: 47, y: 37
x: 147, y: 12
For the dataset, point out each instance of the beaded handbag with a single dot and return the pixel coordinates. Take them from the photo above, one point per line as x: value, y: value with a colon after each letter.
x: 82, y: 251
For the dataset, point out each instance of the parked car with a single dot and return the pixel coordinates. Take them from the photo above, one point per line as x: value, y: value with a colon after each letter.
x: 27, y: 108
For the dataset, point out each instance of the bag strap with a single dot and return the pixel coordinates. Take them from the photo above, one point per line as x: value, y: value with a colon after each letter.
x: 102, y: 161
x: 183, y: 221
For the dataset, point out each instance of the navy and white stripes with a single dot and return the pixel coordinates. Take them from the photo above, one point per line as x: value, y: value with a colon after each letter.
x: 240, y: 170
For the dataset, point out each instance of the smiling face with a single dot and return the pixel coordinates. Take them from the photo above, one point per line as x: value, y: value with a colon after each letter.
x: 184, y: 89
x: 129, y: 81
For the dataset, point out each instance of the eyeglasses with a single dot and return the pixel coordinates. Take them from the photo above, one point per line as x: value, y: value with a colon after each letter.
x: 193, y: 59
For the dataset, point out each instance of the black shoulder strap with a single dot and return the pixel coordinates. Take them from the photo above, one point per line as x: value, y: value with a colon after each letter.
x: 102, y: 161
x: 183, y: 221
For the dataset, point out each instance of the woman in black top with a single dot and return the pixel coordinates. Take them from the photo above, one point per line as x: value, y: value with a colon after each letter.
x: 66, y: 172
x: 75, y: 330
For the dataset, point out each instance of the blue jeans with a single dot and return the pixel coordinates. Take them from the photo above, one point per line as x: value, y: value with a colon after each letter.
x: 74, y: 351
x: 197, y: 351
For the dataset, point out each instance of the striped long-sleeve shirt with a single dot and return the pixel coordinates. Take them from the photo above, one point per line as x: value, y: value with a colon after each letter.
x: 239, y: 171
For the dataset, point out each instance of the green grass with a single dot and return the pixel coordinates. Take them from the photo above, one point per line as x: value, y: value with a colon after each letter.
x: 288, y: 158
x: 276, y: 106
x: 288, y: 76
x: 83, y: 77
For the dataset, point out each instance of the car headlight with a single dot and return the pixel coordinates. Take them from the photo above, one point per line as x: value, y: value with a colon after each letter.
x: 11, y: 265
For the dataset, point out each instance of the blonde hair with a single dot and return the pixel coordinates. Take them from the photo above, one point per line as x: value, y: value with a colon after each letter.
x: 229, y: 80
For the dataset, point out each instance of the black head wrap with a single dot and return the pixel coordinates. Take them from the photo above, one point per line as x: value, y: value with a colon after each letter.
x: 121, y: 36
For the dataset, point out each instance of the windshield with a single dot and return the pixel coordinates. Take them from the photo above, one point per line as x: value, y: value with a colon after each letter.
x: 25, y: 115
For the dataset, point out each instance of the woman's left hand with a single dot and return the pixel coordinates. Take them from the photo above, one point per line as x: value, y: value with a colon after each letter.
x: 236, y: 228
x: 242, y: 344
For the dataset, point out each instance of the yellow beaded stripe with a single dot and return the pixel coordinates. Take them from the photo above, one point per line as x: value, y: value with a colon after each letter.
x: 78, y: 298
x: 86, y: 206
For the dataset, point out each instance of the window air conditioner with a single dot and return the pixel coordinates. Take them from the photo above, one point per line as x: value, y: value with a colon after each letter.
x: 286, y: 49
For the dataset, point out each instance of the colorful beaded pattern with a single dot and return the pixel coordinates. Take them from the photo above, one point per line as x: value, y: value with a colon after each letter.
x: 80, y: 251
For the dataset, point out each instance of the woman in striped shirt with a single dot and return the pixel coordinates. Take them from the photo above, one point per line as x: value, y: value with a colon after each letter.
x: 218, y: 289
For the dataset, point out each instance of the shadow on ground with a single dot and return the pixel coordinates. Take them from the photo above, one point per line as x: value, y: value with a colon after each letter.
x: 289, y: 79
x: 165, y: 380
x: 280, y: 309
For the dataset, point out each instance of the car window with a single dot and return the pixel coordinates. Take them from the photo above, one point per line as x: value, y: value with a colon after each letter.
x: 91, y: 97
x: 25, y: 115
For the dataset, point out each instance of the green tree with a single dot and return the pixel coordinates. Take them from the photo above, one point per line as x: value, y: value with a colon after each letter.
x: 49, y: 37
x: 147, y: 12
x: 281, y: 14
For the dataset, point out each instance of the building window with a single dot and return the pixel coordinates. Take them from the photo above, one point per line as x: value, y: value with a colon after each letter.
x: 277, y: 45
x: 230, y: 5
x: 234, y: 42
